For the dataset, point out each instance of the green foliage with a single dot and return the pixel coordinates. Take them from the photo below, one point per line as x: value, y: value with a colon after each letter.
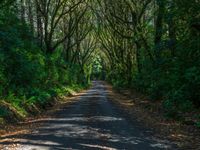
x: 28, y: 76
x: 97, y: 71
x: 87, y: 72
x: 157, y: 54
x: 177, y: 101
x: 198, y: 121
x: 167, y: 59
x: 118, y: 77
x: 198, y: 124
x: 3, y: 112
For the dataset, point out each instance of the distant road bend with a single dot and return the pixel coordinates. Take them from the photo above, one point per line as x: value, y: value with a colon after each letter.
x: 91, y: 123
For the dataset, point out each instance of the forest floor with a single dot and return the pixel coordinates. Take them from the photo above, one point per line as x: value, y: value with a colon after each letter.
x: 99, y: 118
x: 151, y: 115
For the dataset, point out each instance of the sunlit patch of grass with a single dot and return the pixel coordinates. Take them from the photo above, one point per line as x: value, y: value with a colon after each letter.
x: 69, y: 91
x: 12, y: 110
x: 20, y: 107
x: 128, y: 103
x: 20, y: 111
x: 2, y: 121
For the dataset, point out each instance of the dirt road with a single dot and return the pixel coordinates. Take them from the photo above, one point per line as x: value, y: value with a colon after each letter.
x: 92, y: 122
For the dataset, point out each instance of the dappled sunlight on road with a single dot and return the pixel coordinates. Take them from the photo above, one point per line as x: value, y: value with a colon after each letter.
x: 91, y: 122
x: 98, y: 146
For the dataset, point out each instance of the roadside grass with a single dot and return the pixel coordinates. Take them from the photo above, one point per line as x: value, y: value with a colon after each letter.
x: 14, y: 109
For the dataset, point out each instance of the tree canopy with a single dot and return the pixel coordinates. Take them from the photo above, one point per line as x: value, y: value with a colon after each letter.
x: 149, y: 45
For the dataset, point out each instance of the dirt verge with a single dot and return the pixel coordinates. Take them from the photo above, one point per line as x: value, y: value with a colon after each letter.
x: 187, y: 137
x: 31, y: 123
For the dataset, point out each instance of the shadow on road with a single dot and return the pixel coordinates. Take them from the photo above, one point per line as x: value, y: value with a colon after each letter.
x: 90, y: 123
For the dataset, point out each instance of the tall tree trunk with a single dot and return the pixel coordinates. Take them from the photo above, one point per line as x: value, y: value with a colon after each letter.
x: 159, y: 28
x: 30, y: 14
x: 138, y: 47
x: 171, y: 29
x: 22, y: 11
x: 39, y: 26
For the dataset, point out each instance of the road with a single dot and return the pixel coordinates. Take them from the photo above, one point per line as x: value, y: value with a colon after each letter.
x: 92, y: 122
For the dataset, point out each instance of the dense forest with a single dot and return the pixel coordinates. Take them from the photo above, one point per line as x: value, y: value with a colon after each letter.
x: 51, y: 47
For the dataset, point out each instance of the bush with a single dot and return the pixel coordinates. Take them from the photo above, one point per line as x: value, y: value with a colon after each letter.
x: 177, y: 101
x: 28, y: 76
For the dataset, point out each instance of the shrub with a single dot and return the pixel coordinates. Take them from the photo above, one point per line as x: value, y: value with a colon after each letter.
x: 177, y: 101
